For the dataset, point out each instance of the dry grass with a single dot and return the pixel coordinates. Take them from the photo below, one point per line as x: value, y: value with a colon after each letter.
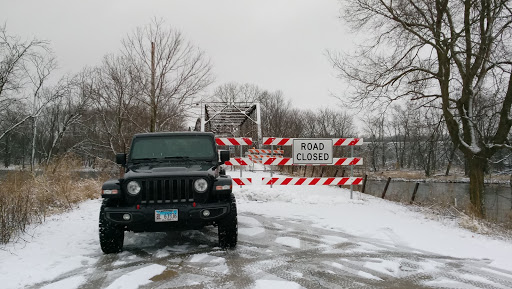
x: 466, y: 218
x: 398, y: 174
x: 27, y: 197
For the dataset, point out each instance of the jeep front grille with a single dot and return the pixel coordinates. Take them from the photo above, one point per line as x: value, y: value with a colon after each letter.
x: 161, y: 191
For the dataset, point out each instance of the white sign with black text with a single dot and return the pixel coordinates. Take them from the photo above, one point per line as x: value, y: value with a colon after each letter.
x: 312, y: 151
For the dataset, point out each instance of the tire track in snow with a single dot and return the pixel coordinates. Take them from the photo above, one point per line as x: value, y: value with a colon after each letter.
x: 283, y: 249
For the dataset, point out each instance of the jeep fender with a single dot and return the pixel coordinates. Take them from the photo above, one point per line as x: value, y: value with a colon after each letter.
x: 111, y: 189
x: 222, y: 185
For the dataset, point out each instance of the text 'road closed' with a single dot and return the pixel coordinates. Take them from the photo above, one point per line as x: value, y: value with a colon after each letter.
x: 312, y: 151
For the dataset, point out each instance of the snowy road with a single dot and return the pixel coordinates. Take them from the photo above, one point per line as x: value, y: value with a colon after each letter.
x: 288, y: 238
x: 272, y: 253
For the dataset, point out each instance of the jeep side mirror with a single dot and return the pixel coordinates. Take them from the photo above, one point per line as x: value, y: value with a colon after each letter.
x: 121, y: 159
x: 224, y: 156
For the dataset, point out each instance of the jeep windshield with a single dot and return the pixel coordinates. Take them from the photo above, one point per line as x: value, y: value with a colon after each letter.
x: 172, y: 148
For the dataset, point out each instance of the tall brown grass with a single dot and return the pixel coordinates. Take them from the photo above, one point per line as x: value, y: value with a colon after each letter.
x: 29, y: 197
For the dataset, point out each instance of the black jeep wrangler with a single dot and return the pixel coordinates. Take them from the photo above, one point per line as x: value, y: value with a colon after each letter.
x: 172, y: 181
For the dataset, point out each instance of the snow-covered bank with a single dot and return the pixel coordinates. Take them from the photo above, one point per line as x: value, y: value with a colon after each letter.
x: 461, y: 180
x: 64, y: 243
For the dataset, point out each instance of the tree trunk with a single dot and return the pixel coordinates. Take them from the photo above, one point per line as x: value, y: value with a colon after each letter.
x: 476, y: 183
x: 153, y: 91
x: 7, y: 157
x: 34, y: 135
x: 374, y: 158
x: 427, y: 166
x: 383, y: 155
x: 450, y: 161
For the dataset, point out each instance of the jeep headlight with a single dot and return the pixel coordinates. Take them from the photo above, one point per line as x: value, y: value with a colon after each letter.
x: 200, y: 185
x: 133, y: 188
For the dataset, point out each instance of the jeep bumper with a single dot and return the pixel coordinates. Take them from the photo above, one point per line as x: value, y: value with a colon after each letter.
x: 189, y: 217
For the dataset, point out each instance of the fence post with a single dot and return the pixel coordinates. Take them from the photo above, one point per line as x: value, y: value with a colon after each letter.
x: 386, y: 188
x: 364, y: 183
x: 414, y: 192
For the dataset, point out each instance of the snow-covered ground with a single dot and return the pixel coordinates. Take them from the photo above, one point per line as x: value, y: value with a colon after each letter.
x: 370, y: 217
x: 64, y: 251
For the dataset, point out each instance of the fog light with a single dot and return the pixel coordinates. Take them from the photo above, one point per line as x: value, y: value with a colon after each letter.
x: 206, y: 213
x: 127, y: 217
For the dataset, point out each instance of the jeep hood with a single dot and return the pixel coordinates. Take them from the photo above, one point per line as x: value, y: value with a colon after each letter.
x: 150, y: 171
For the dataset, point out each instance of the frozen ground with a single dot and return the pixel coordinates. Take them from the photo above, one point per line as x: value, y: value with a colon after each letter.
x: 289, y: 237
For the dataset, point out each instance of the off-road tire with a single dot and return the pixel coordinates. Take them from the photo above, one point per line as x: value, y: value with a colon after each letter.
x: 228, y: 227
x: 111, y: 235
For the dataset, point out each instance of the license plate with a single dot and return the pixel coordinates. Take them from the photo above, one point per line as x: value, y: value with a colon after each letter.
x: 166, y: 215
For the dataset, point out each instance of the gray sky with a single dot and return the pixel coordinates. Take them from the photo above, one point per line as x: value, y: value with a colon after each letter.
x: 275, y: 44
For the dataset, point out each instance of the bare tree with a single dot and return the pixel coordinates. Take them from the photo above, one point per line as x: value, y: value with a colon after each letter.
x: 375, y: 130
x: 68, y: 112
x: 114, y: 88
x: 234, y: 92
x: 446, y: 54
x: 169, y: 70
x: 335, y: 123
x: 276, y: 112
x: 428, y: 132
x: 17, y: 59
x: 310, y: 124
x: 399, y: 130
x: 39, y: 69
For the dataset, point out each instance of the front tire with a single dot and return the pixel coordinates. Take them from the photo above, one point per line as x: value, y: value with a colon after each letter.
x: 111, y: 235
x: 228, y: 227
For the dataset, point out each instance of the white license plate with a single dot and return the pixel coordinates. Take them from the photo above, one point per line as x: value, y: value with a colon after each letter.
x: 166, y: 215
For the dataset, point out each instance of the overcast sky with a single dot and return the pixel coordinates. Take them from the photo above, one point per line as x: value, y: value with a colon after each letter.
x: 275, y: 44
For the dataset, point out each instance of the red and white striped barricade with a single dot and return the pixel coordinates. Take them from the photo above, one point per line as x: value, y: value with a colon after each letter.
x: 262, y: 151
x: 269, y: 161
x: 256, y: 155
x: 233, y: 141
x: 263, y: 156
x: 347, y: 162
x: 347, y: 141
x: 277, y: 141
x: 242, y: 181
x: 239, y: 162
x: 313, y: 181
x: 335, y: 141
x: 255, y: 160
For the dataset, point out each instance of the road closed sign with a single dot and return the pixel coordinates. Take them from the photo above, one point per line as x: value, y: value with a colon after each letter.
x: 312, y: 151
